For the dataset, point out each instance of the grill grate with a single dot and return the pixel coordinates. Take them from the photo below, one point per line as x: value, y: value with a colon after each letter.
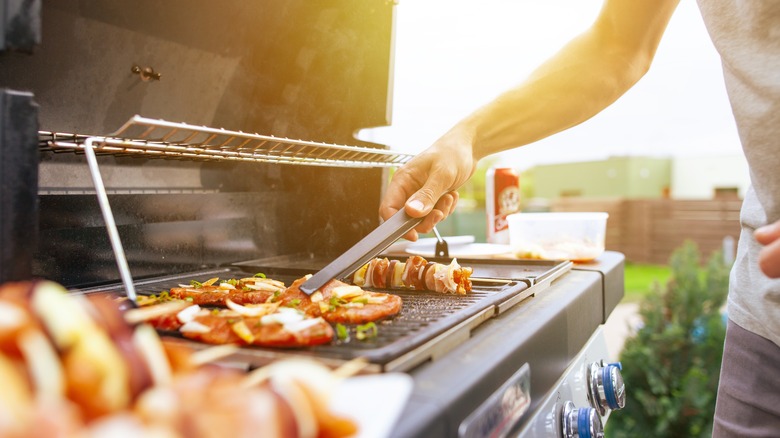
x: 401, y: 342
x: 152, y: 138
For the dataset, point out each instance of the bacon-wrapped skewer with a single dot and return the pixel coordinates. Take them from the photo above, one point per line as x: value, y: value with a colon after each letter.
x: 416, y: 273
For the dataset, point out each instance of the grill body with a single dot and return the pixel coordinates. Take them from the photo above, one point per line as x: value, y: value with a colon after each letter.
x: 80, y: 69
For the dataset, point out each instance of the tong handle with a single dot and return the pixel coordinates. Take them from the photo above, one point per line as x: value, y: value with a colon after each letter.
x: 363, y: 251
x: 442, y: 250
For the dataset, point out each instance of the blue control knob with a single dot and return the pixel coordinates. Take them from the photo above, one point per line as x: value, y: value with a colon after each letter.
x: 606, y: 390
x: 580, y: 422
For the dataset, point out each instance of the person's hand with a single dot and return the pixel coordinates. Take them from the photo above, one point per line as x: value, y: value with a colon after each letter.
x: 769, y: 257
x: 426, y: 184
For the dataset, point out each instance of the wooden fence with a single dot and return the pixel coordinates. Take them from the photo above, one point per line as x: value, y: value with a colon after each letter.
x: 649, y: 230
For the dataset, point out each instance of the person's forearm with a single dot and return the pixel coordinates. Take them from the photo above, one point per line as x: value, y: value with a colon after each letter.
x: 583, y: 78
x: 562, y: 94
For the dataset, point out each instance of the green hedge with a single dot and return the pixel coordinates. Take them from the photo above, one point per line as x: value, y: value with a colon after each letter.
x: 671, y: 366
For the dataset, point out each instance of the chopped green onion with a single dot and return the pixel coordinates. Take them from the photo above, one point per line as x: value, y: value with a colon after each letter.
x: 196, y: 284
x: 232, y: 282
x: 342, y: 332
x: 295, y: 302
x: 260, y: 274
x: 366, y: 331
x: 188, y: 299
x: 336, y: 301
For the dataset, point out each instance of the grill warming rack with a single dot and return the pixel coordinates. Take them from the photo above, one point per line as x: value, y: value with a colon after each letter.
x: 144, y: 137
x: 152, y: 138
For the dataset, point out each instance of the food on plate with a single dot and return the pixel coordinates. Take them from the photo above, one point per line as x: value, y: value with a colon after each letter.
x: 250, y: 290
x: 71, y: 366
x: 576, y: 250
x: 266, y: 325
x: 416, y: 273
x: 338, y: 302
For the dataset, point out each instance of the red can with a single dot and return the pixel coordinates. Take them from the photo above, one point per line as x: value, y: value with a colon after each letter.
x: 502, y: 198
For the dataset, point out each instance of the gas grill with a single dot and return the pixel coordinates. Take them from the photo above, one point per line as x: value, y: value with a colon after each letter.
x: 144, y: 145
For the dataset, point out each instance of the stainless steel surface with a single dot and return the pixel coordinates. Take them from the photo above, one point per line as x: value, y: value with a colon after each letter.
x: 547, y: 330
x: 606, y: 390
x: 580, y: 422
x: 141, y: 136
x: 367, y: 248
x: 540, y: 283
x: 108, y: 217
x: 549, y: 418
x: 497, y: 415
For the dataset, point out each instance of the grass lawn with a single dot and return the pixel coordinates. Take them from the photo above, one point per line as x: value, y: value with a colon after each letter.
x: 639, y: 280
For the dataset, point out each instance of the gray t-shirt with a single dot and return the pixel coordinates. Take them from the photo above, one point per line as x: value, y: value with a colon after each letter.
x: 747, y: 35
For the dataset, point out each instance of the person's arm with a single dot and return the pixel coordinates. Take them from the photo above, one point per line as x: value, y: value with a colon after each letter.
x: 583, y: 78
x: 769, y: 257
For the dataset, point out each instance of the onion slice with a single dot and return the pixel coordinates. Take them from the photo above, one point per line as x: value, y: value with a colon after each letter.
x: 298, y: 326
x: 263, y: 286
x: 150, y: 347
x: 284, y: 315
x: 212, y: 354
x: 194, y: 327
x: 141, y: 314
x: 256, y: 310
x: 188, y: 314
x: 349, y: 291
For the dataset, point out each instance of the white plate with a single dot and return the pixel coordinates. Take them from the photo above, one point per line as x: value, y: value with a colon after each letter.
x: 356, y: 397
x: 427, y: 244
x: 464, y: 251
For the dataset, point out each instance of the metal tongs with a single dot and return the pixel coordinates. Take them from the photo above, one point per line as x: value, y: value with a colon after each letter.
x: 363, y: 251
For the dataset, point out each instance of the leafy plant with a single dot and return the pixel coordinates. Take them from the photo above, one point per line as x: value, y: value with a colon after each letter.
x: 671, y: 366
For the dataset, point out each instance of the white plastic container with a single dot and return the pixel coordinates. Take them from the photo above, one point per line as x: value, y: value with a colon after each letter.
x: 558, y: 236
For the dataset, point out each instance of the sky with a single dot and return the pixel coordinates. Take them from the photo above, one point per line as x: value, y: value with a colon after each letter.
x: 453, y: 56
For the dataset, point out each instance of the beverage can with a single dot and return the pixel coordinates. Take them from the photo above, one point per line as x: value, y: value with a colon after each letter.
x: 502, y: 198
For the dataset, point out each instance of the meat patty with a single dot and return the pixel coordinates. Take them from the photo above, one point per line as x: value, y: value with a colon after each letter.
x: 358, y: 309
x: 263, y: 334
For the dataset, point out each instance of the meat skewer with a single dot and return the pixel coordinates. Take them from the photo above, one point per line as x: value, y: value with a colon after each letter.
x: 416, y: 273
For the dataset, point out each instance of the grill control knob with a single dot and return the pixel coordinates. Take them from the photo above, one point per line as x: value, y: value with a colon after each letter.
x: 580, y: 422
x: 606, y: 389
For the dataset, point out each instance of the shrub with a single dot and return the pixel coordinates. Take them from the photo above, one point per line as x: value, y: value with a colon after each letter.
x: 671, y: 366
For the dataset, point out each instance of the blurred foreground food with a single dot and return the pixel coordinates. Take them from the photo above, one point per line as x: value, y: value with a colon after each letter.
x: 71, y: 366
